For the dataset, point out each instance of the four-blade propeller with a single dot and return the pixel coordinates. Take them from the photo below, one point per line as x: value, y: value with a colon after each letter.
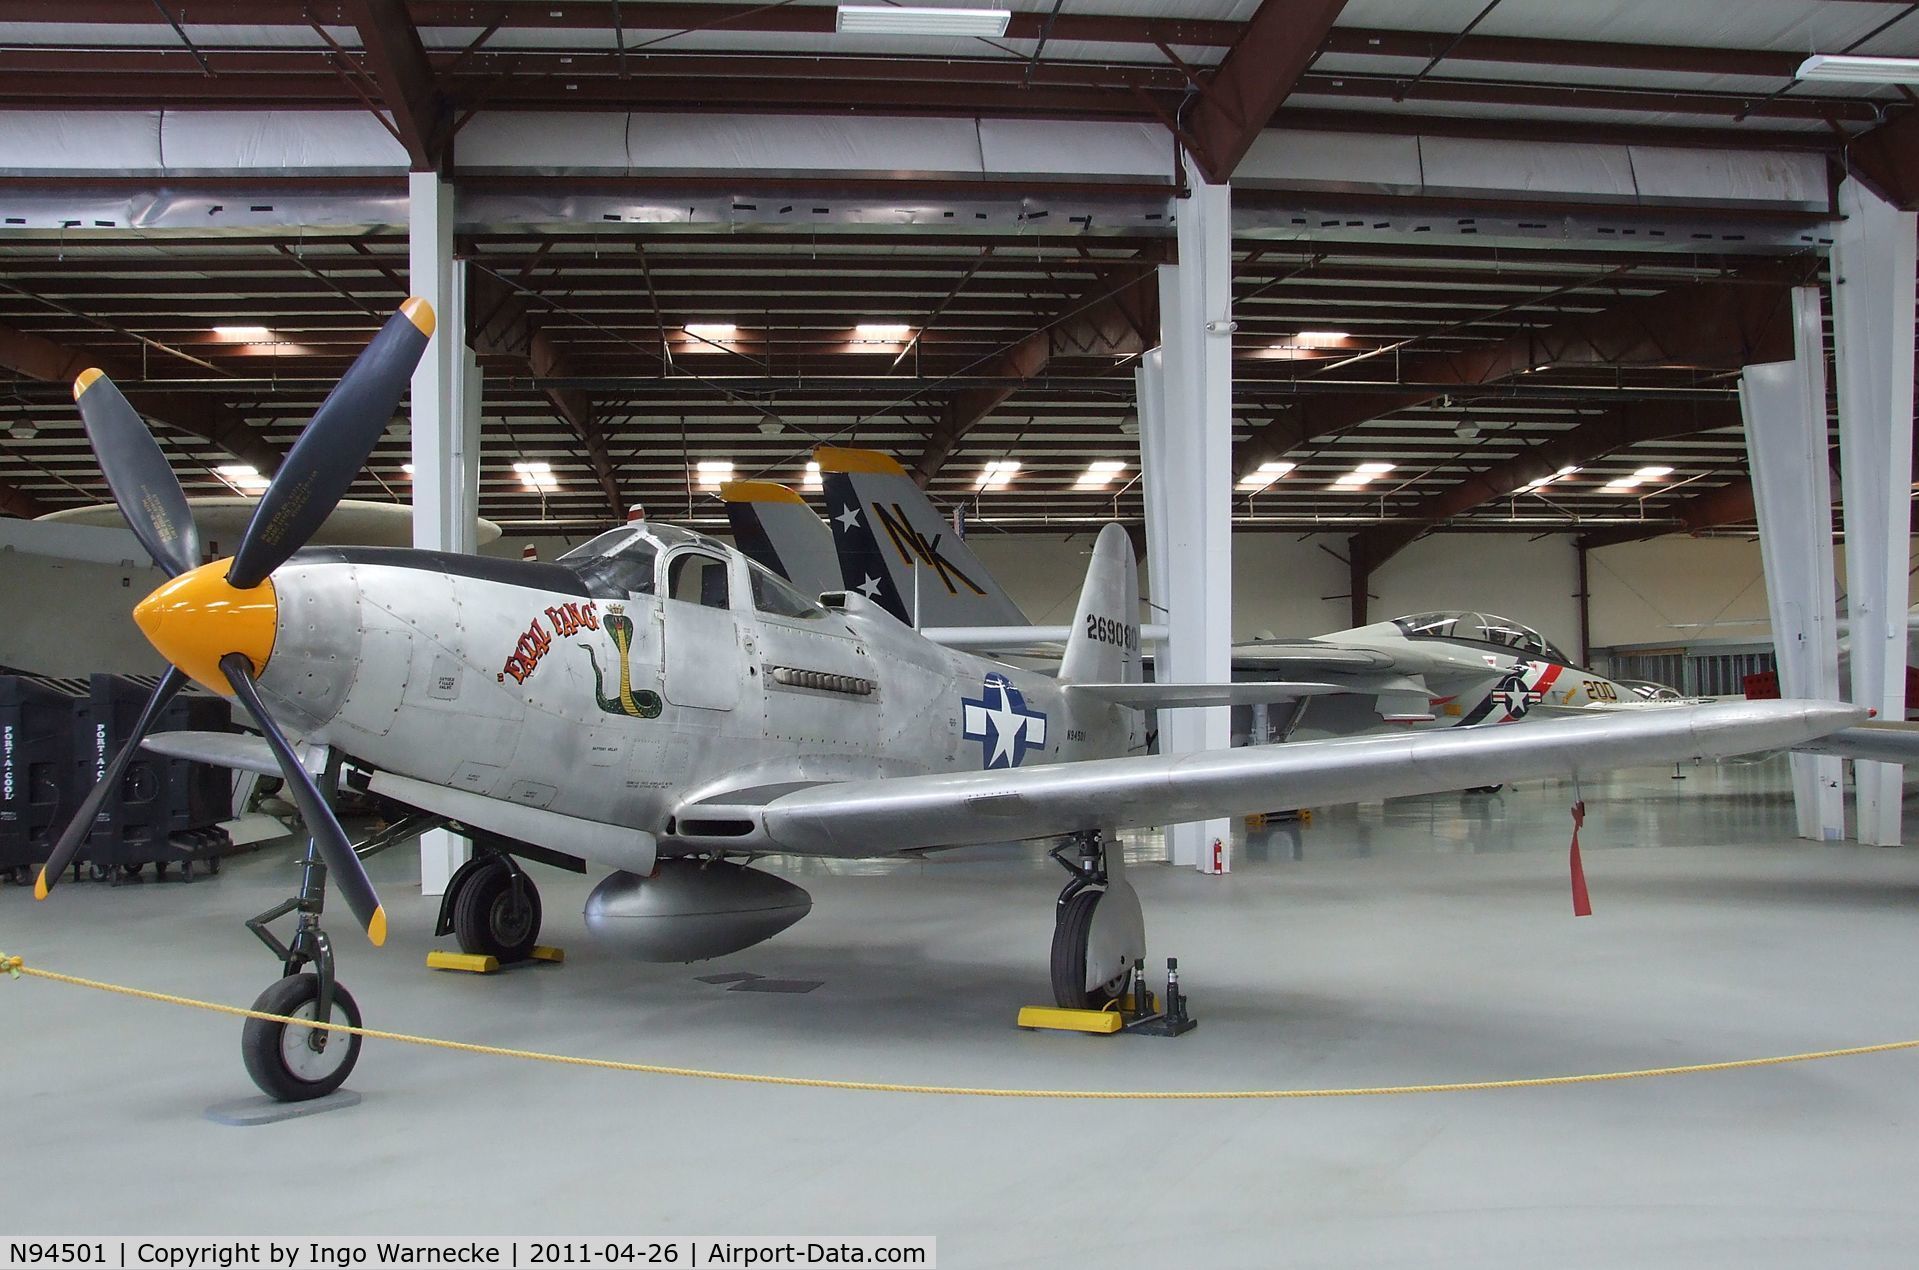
x: 303, y: 493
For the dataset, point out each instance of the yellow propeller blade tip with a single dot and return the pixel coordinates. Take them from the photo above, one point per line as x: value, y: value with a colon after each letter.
x: 420, y: 313
x: 376, y: 928
x: 40, y: 884
x: 85, y: 380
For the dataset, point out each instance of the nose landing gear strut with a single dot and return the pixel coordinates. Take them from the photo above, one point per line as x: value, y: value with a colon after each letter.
x: 289, y: 1062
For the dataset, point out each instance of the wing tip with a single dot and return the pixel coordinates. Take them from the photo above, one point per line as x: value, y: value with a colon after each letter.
x: 420, y: 313
x: 86, y: 379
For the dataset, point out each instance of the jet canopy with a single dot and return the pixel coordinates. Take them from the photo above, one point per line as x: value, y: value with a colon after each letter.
x: 1481, y: 628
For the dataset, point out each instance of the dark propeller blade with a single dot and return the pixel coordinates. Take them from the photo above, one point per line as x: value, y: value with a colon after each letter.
x: 143, y: 485
x: 343, y: 867
x: 82, y: 823
x: 334, y: 447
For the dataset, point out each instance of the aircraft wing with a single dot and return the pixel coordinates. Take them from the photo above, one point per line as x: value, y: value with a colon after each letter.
x: 242, y: 750
x: 1888, y: 742
x: 869, y: 817
x: 1172, y: 696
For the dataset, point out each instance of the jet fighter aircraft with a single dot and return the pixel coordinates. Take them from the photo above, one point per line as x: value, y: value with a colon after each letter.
x: 658, y: 705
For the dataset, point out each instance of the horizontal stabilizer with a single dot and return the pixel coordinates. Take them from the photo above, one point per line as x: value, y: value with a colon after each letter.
x: 1144, y: 696
x: 1018, y: 636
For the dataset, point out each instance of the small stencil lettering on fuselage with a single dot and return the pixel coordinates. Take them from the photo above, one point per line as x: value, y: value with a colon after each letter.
x: 444, y: 683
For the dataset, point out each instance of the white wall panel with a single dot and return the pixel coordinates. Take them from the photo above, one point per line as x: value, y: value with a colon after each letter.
x: 79, y: 140
x: 1066, y: 148
x: 543, y: 142
x: 1730, y: 175
x: 1347, y: 160
x: 800, y: 143
x: 1659, y: 591
x: 277, y: 140
x: 1468, y: 163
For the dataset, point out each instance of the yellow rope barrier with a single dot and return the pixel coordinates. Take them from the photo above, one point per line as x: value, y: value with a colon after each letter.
x: 16, y: 967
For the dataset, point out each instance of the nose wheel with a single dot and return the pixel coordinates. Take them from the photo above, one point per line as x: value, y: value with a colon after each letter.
x: 291, y: 1063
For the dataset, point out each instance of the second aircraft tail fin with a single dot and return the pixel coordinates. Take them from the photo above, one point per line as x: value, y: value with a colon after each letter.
x: 773, y: 525
x: 886, y: 531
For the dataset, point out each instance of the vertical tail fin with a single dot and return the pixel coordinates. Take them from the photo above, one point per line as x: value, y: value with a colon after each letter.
x: 887, y: 532
x: 773, y: 525
x: 1104, y: 645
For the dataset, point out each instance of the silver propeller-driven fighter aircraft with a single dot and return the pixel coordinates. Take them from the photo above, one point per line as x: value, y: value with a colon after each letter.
x: 659, y: 706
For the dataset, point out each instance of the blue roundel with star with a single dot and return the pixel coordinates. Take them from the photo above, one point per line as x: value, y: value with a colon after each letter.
x: 1000, y: 721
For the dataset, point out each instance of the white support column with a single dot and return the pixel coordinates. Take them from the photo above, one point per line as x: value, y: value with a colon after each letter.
x: 1784, y: 406
x: 1193, y: 484
x: 1149, y: 383
x: 1873, y: 279
x: 442, y: 454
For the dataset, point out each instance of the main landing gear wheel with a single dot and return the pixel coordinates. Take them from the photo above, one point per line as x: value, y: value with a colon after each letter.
x: 497, y: 913
x: 1070, y: 935
x: 1099, y: 935
x: 294, y: 1063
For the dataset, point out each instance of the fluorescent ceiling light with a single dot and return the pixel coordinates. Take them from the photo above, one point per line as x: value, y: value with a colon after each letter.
x: 1099, y: 474
x: 882, y: 332
x: 712, y: 330
x: 997, y: 473
x: 243, y: 477
x: 878, y: 19
x: 1362, y: 474
x: 1852, y: 68
x: 1623, y: 483
x: 1265, y: 474
x: 1652, y: 473
x: 537, y: 476
x: 1540, y: 481
x: 242, y: 333
x: 812, y: 480
x: 1320, y: 339
x: 407, y: 468
x: 714, y: 473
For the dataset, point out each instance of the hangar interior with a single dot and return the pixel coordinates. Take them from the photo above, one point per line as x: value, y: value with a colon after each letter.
x: 1597, y: 316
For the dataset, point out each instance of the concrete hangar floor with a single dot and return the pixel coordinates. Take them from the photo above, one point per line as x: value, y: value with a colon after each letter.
x: 1423, y: 940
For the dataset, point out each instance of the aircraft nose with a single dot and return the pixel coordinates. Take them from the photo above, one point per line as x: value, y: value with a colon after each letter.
x: 199, y: 617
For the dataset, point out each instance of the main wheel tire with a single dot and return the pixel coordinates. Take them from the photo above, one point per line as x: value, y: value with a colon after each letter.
x: 1070, y: 933
x: 279, y: 1056
x: 492, y: 916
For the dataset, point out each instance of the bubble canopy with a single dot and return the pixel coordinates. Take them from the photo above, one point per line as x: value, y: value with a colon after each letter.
x: 1481, y: 628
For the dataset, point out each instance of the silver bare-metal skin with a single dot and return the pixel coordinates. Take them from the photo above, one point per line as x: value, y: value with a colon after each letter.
x: 588, y: 710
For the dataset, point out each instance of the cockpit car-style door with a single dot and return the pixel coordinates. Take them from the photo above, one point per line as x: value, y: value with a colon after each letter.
x: 703, y: 662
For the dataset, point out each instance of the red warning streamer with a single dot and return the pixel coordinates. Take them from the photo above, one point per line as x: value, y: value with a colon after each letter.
x: 1582, y: 902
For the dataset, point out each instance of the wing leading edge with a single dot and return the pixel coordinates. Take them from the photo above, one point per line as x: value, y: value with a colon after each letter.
x: 875, y: 817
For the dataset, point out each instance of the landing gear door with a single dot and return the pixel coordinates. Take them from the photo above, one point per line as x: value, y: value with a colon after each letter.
x: 703, y: 663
